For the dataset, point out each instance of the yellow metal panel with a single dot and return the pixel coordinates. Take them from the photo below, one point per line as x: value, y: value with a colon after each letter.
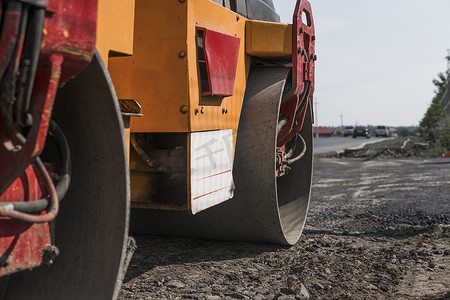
x: 115, y: 25
x: 212, y: 113
x: 156, y: 74
x: 268, y: 39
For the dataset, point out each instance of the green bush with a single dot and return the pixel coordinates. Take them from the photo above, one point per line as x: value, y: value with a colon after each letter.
x: 435, y: 127
x: 442, y: 133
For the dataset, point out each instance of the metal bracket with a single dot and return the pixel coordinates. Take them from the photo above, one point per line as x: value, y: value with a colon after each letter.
x: 294, y: 105
x: 130, y: 107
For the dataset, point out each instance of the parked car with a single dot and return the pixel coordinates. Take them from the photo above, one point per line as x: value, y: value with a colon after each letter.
x: 361, y: 131
x: 348, y: 131
x: 382, y: 130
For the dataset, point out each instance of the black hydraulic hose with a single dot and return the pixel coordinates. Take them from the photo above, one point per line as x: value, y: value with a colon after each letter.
x: 7, y: 98
x: 304, y: 99
x: 20, y: 38
x: 9, y: 34
x: 63, y: 182
x: 28, y: 66
x: 304, y: 96
x: 29, y: 207
x: 66, y: 166
x: 6, y: 104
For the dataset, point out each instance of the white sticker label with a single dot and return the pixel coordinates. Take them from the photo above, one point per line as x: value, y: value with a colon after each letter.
x: 211, y: 168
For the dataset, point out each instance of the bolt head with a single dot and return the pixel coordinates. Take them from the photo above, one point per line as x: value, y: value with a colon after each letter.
x: 184, y: 109
x: 182, y: 54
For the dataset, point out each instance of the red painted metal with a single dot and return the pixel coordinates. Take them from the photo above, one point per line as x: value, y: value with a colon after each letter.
x: 68, y: 44
x: 221, y: 53
x: 22, y: 244
x: 303, y: 57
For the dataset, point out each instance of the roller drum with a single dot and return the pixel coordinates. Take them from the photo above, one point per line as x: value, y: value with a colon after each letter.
x: 264, y: 208
x: 92, y: 226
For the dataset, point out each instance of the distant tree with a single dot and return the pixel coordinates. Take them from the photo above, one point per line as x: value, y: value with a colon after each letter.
x: 406, y: 131
x: 430, y: 126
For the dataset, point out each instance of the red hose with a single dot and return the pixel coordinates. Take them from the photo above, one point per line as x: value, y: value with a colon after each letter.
x: 53, y: 209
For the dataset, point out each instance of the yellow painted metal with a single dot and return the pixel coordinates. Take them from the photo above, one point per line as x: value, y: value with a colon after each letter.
x: 162, y: 74
x: 115, y: 25
x: 268, y: 39
x: 156, y: 74
x: 212, y: 113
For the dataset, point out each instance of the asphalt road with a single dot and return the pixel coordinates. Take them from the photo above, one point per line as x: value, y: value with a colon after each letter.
x: 323, y: 145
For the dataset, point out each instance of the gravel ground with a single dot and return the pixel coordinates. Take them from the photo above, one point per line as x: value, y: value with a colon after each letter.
x: 377, y: 229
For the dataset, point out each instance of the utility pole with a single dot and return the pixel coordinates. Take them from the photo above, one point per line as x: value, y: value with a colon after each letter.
x: 342, y: 120
x: 448, y: 63
x: 316, y: 119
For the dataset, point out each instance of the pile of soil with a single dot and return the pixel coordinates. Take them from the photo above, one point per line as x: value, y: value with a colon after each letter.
x: 389, y: 148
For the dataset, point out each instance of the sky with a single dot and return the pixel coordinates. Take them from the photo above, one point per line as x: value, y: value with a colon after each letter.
x: 376, y: 59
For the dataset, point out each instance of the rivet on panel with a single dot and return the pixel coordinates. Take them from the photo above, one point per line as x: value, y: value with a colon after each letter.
x: 182, y: 54
x: 184, y: 109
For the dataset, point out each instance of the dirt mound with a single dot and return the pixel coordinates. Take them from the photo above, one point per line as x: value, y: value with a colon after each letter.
x: 389, y: 148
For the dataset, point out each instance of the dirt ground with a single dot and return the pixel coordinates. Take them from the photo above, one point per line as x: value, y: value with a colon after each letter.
x: 377, y: 229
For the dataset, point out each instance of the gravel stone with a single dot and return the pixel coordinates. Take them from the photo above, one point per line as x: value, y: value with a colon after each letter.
x: 175, y: 284
x: 390, y: 209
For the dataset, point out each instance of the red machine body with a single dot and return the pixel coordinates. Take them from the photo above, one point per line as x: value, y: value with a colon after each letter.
x: 67, y: 47
x: 23, y: 245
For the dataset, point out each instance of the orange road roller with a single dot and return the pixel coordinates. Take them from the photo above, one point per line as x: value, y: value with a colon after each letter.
x: 180, y: 117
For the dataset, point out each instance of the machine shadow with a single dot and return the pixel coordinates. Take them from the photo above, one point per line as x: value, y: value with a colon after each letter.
x: 153, y: 251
